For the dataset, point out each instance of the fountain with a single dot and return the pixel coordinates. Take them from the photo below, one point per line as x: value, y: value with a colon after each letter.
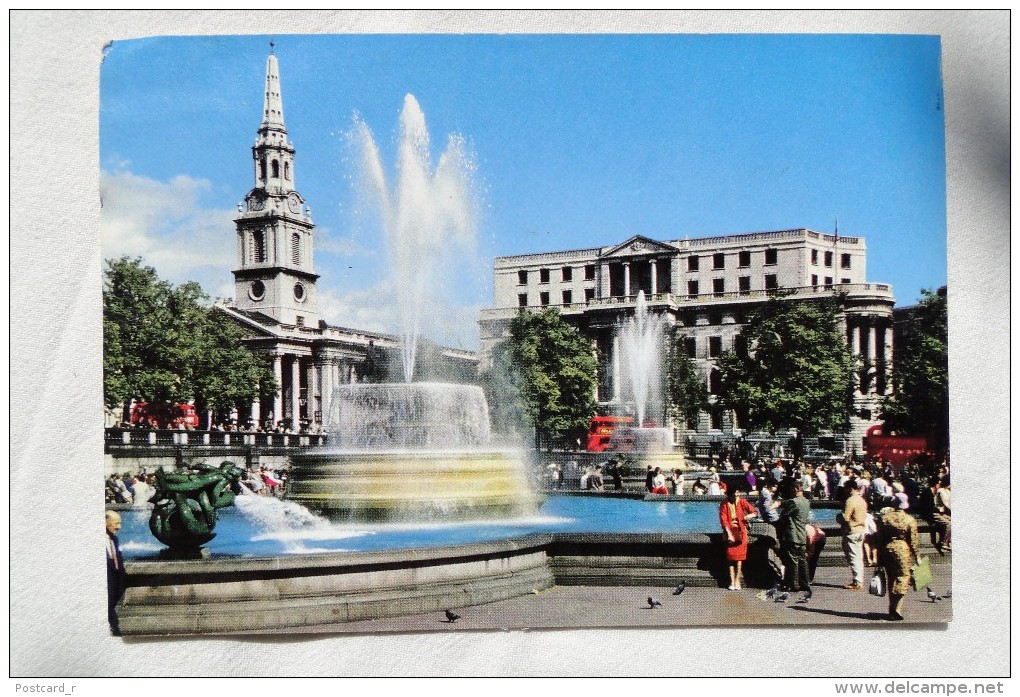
x: 413, y: 451
x: 641, y: 346
x: 418, y: 451
x: 428, y: 219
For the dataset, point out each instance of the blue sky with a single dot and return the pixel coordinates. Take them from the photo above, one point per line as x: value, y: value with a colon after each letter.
x: 577, y: 140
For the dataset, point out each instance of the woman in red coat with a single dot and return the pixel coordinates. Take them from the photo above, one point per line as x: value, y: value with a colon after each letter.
x: 733, y: 515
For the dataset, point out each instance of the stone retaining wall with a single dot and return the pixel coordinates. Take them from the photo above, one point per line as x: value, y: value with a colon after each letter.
x: 229, y: 596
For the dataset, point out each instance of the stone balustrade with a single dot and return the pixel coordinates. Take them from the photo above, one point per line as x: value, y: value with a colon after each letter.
x: 118, y: 438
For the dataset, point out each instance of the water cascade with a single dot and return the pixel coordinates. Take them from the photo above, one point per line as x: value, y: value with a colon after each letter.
x: 641, y: 343
x: 426, y: 216
x: 414, y: 450
x: 641, y: 346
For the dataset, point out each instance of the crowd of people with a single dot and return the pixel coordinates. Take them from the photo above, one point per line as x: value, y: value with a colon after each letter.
x: 138, y: 489
x: 878, y: 524
x: 230, y: 426
x: 879, y: 508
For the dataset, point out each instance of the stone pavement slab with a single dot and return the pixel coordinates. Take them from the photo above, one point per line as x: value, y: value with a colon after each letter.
x: 564, y: 607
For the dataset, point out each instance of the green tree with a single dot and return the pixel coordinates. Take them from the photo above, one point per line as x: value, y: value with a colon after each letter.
x: 556, y: 369
x: 798, y: 372
x: 167, y: 344
x: 920, y: 402
x: 683, y: 388
x: 226, y: 375
x: 141, y: 354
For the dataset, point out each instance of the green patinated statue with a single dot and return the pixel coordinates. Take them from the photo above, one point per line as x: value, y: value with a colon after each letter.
x: 185, y: 504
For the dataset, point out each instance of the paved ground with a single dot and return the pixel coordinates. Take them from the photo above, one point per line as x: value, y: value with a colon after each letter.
x: 616, y: 606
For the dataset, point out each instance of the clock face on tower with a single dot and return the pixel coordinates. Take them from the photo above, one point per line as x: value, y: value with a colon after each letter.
x: 294, y: 203
x: 257, y: 291
x: 256, y: 200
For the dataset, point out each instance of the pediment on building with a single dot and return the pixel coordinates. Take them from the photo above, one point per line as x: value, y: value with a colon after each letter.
x: 638, y: 246
x: 255, y: 322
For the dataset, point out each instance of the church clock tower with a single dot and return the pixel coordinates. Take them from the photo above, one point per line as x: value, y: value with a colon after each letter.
x: 274, y: 274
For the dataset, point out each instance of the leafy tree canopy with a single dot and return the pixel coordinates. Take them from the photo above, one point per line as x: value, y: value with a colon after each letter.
x: 920, y: 403
x: 552, y: 367
x: 167, y: 344
x: 684, y: 389
x: 798, y: 372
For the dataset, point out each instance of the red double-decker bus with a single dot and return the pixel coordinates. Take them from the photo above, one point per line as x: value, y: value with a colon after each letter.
x: 164, y: 415
x: 897, y: 450
x: 601, y: 429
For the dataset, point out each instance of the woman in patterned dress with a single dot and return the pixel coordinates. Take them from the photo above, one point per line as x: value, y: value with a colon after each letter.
x: 898, y: 531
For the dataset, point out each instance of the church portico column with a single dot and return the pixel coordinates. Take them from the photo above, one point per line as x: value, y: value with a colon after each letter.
x: 607, y: 289
x: 626, y: 278
x: 654, y: 264
x: 295, y: 391
x: 326, y: 369
x: 889, y: 358
x: 278, y: 397
x: 616, y: 369
x: 877, y: 354
x: 256, y: 412
x: 312, y: 373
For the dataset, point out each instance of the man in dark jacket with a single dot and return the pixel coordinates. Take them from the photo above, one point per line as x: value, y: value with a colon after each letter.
x: 793, y: 518
x: 115, y: 576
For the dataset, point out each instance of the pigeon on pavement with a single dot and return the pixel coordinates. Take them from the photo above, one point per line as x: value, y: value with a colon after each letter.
x: 452, y: 616
x: 931, y: 595
x: 654, y: 602
x: 680, y: 588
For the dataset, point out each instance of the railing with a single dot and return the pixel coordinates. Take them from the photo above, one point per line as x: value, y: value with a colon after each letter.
x: 119, y: 438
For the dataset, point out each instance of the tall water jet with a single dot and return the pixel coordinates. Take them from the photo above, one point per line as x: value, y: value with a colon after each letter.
x: 417, y: 451
x: 641, y: 340
x: 641, y: 346
x: 425, y: 214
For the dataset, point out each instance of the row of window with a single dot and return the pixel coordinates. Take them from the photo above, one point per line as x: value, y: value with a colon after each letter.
x: 743, y: 260
x: 694, y: 264
x: 693, y: 289
x: 257, y: 249
x: 828, y: 281
x: 566, y: 274
x: 715, y: 346
x: 844, y: 259
x: 566, y: 297
x: 743, y: 285
x: 275, y: 169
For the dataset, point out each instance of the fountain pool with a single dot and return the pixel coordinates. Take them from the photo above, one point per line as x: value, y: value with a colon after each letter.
x: 265, y: 527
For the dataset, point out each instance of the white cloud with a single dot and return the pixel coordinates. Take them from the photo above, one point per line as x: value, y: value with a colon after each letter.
x: 164, y: 223
x: 328, y: 242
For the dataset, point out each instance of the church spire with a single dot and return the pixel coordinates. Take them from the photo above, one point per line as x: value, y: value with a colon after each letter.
x: 275, y: 258
x: 272, y: 114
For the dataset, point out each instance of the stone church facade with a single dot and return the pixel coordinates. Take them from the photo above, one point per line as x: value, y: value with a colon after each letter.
x: 275, y: 287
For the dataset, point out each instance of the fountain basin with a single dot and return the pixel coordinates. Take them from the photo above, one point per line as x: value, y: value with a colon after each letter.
x: 410, y: 452
x: 252, y: 585
x: 408, y: 485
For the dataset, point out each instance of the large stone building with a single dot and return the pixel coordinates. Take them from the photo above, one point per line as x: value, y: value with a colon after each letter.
x: 275, y: 286
x: 706, y: 286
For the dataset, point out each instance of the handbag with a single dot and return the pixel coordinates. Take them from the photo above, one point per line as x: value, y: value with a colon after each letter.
x: 877, y: 585
x: 920, y: 573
